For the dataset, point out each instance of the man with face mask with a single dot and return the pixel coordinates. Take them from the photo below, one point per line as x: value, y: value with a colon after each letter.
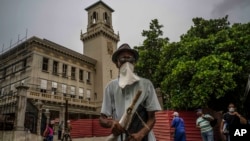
x: 119, y: 94
x: 231, y: 119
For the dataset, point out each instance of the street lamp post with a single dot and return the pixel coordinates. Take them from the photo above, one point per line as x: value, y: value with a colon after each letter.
x: 47, y: 114
x: 39, y: 105
x: 61, y: 121
x: 66, y: 114
x: 66, y: 134
x: 62, y: 114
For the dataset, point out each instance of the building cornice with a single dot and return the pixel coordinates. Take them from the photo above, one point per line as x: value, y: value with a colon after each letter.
x: 100, y: 30
x: 49, y: 45
x: 61, y: 49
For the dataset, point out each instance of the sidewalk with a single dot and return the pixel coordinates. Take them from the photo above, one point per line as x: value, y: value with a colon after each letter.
x: 88, y: 139
x: 25, y: 136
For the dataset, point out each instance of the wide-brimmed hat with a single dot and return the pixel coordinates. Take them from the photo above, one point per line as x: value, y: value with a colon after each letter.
x: 124, y: 47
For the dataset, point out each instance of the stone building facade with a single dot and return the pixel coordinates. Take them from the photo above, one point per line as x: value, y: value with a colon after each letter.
x: 40, y: 74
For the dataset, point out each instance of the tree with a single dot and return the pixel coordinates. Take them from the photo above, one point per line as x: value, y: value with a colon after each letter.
x: 209, y: 64
x: 149, y: 52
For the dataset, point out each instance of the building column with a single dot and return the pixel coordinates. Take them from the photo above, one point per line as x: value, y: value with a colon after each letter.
x: 39, y: 105
x: 20, y: 107
x: 39, y: 119
x: 19, y: 132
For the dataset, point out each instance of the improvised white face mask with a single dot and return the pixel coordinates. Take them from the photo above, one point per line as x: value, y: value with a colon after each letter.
x: 126, y: 75
x: 231, y: 109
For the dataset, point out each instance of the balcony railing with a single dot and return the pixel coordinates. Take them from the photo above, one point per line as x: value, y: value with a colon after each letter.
x: 61, y: 99
x: 57, y: 98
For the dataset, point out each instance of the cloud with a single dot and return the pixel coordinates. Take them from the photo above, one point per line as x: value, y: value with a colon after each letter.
x: 234, y: 8
x: 61, y: 21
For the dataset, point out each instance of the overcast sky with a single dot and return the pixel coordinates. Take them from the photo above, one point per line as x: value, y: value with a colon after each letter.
x: 61, y: 21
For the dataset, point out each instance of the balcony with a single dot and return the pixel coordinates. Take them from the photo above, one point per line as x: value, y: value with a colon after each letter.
x: 59, y: 98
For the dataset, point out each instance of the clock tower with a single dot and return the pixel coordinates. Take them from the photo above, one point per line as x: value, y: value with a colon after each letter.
x: 99, y: 43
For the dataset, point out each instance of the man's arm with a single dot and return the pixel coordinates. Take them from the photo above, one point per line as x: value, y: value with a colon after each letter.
x: 198, y: 120
x: 242, y: 119
x: 173, y: 122
x: 149, y: 126
x: 115, y: 126
x: 208, y: 117
x: 222, y: 125
x: 105, y: 122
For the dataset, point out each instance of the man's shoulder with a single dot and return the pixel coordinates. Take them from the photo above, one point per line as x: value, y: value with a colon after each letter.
x: 226, y: 115
x: 207, y: 115
x: 177, y: 118
x: 199, y: 118
x: 113, y: 82
x: 145, y: 80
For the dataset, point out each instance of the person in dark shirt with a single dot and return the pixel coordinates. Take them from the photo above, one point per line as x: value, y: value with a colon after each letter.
x: 231, y: 119
x: 60, y: 127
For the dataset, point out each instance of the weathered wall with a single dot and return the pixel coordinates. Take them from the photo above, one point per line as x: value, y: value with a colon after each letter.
x: 18, y: 136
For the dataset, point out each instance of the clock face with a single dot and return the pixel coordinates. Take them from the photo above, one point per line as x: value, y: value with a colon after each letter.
x: 110, y: 48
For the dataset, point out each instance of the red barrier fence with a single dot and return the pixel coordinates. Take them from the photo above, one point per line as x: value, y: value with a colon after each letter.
x: 88, y: 128
x: 162, y: 129
x: 164, y: 132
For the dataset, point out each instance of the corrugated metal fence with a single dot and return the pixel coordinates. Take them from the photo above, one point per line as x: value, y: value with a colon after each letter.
x: 88, y: 128
x: 162, y: 128
x: 164, y: 132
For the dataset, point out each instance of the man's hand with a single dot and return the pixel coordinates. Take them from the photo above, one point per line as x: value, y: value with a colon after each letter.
x: 209, y: 118
x: 116, y: 128
x: 136, y: 137
x: 237, y: 114
x: 242, y: 119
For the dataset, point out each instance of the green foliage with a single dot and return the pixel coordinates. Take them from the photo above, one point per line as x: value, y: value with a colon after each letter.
x: 209, y: 66
x: 149, y: 52
x: 206, y: 65
x: 213, y: 78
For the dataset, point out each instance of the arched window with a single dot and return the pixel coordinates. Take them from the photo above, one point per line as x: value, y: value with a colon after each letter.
x: 106, y: 18
x: 94, y: 17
